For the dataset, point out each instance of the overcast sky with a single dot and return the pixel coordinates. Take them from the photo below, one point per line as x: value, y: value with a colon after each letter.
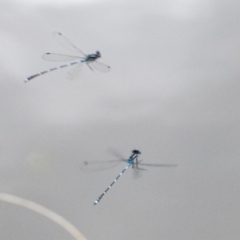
x: 173, y: 93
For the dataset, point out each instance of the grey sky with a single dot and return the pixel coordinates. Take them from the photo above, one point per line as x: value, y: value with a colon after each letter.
x: 173, y: 93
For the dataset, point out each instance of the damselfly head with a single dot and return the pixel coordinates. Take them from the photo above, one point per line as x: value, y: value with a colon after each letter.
x: 98, y: 54
x: 136, y: 151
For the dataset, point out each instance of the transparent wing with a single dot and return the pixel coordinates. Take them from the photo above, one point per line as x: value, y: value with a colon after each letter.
x: 66, y: 43
x: 157, y: 165
x: 116, y: 153
x: 56, y: 57
x: 74, y: 72
x: 99, y: 165
x: 100, y: 66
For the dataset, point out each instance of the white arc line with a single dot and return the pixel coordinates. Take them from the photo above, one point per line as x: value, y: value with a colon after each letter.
x: 45, y: 212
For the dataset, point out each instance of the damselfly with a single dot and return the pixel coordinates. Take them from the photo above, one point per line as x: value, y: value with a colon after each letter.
x: 89, y: 59
x: 131, y: 161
